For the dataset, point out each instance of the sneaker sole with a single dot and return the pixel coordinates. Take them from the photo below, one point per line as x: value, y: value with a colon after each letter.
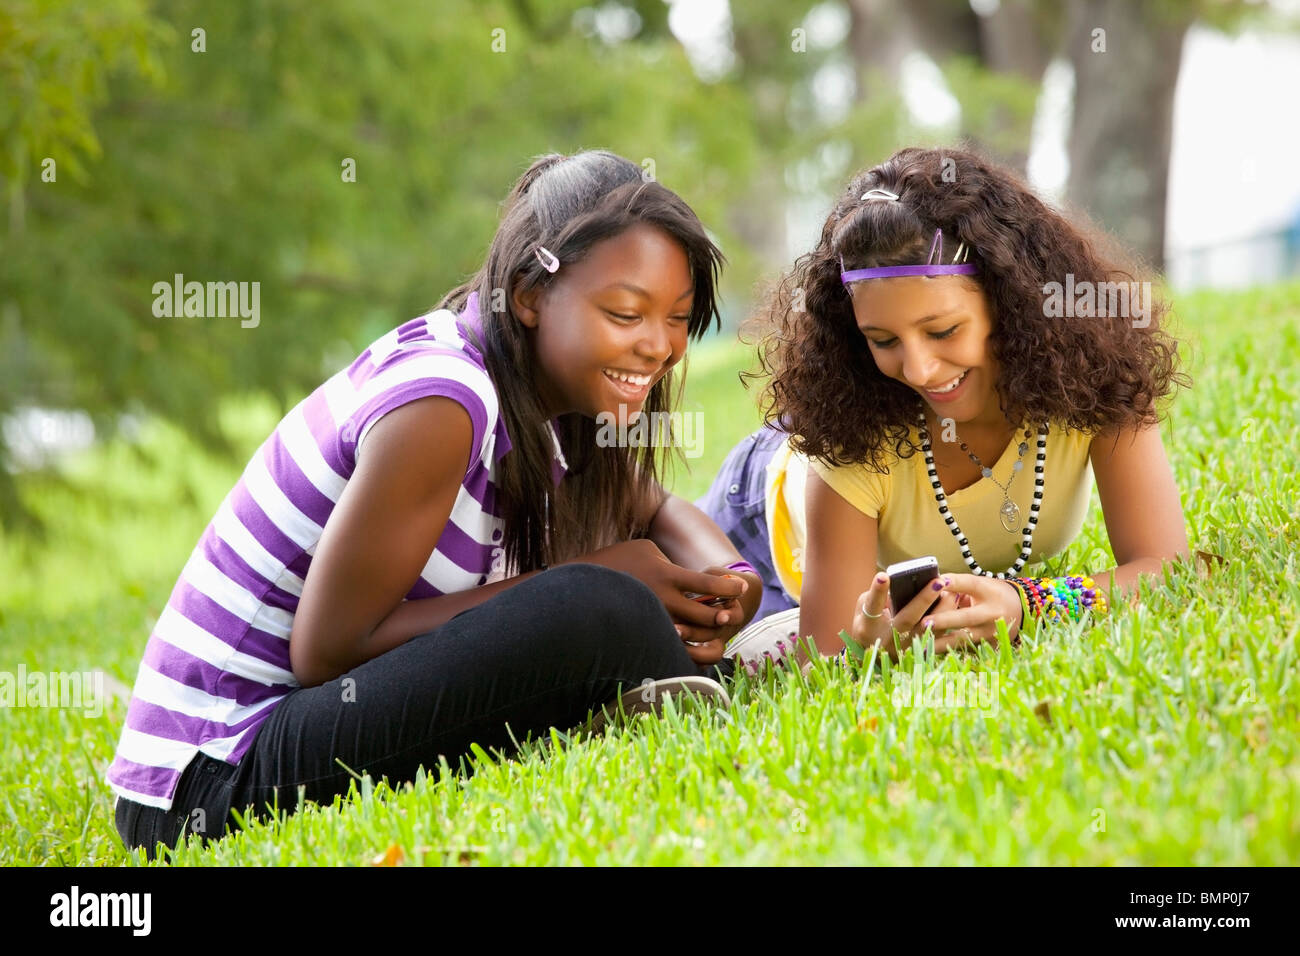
x: 648, y: 698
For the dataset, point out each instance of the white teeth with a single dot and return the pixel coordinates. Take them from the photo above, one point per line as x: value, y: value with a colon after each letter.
x: 955, y: 382
x: 637, y: 380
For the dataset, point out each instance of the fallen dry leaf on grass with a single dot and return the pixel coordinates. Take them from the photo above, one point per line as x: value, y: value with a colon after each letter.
x: 390, y: 857
x: 1207, y: 562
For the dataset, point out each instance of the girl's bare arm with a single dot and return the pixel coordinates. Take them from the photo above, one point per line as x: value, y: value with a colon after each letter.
x: 378, y: 539
x: 1140, y: 501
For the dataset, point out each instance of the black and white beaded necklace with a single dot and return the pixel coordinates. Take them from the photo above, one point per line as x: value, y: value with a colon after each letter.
x: 1009, y: 512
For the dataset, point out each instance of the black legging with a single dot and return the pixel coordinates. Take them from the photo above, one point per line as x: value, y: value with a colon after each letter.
x: 539, y: 655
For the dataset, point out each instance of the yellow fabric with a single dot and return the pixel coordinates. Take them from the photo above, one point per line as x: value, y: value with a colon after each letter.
x: 786, y: 529
x: 908, y: 521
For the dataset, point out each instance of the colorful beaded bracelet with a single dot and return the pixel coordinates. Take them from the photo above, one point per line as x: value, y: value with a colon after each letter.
x: 1059, y: 599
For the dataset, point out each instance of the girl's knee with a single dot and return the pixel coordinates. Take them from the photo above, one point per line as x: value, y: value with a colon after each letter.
x: 616, y: 605
x: 606, y: 590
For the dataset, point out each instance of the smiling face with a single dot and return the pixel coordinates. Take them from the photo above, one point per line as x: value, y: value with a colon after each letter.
x: 611, y: 325
x: 929, y: 332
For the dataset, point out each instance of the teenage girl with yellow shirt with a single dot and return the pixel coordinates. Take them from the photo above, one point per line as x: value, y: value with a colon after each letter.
x: 926, y: 398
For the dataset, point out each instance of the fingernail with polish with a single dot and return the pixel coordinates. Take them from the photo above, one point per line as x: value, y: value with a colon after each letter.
x: 938, y: 585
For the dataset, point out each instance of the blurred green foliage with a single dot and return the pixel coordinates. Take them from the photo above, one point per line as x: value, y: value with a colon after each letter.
x: 226, y: 163
x: 144, y: 139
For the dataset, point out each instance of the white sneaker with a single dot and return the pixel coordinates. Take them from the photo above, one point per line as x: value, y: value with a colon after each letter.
x: 774, y: 637
x: 649, y: 697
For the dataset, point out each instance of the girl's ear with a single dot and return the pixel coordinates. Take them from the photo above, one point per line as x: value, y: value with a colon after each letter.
x: 525, y: 304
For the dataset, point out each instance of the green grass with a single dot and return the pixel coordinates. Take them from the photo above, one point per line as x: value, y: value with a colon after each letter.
x: 1164, y: 735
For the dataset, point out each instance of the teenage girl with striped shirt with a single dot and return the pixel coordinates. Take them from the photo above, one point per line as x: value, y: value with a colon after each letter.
x: 433, y: 550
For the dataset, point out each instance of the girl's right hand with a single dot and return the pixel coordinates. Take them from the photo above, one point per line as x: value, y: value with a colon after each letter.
x: 868, y: 629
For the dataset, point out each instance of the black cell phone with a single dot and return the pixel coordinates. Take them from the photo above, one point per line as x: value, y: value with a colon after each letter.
x: 908, y: 578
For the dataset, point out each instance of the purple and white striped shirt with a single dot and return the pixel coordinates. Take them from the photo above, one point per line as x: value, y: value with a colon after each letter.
x: 217, y: 662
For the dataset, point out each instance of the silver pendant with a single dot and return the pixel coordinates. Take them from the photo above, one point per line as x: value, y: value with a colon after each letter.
x: 1010, y: 515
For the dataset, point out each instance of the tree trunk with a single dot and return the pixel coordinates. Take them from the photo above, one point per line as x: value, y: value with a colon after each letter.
x: 1122, y: 126
x: 878, y: 40
x: 1019, y: 37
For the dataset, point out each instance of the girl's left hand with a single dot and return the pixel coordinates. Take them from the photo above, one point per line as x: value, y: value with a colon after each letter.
x: 981, y: 602
x: 706, y: 644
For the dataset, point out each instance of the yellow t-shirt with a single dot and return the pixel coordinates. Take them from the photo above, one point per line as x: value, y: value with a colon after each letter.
x: 909, y: 524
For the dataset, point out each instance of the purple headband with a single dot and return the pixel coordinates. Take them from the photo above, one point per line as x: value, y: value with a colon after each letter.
x: 931, y: 267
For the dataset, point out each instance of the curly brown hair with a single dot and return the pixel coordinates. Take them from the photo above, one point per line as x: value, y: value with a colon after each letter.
x: 1091, y: 374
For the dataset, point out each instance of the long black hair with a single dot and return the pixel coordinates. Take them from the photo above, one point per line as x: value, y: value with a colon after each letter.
x: 568, y: 204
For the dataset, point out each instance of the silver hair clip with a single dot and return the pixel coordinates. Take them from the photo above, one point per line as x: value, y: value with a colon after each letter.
x: 552, y: 265
x: 879, y: 194
x: 936, y: 245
